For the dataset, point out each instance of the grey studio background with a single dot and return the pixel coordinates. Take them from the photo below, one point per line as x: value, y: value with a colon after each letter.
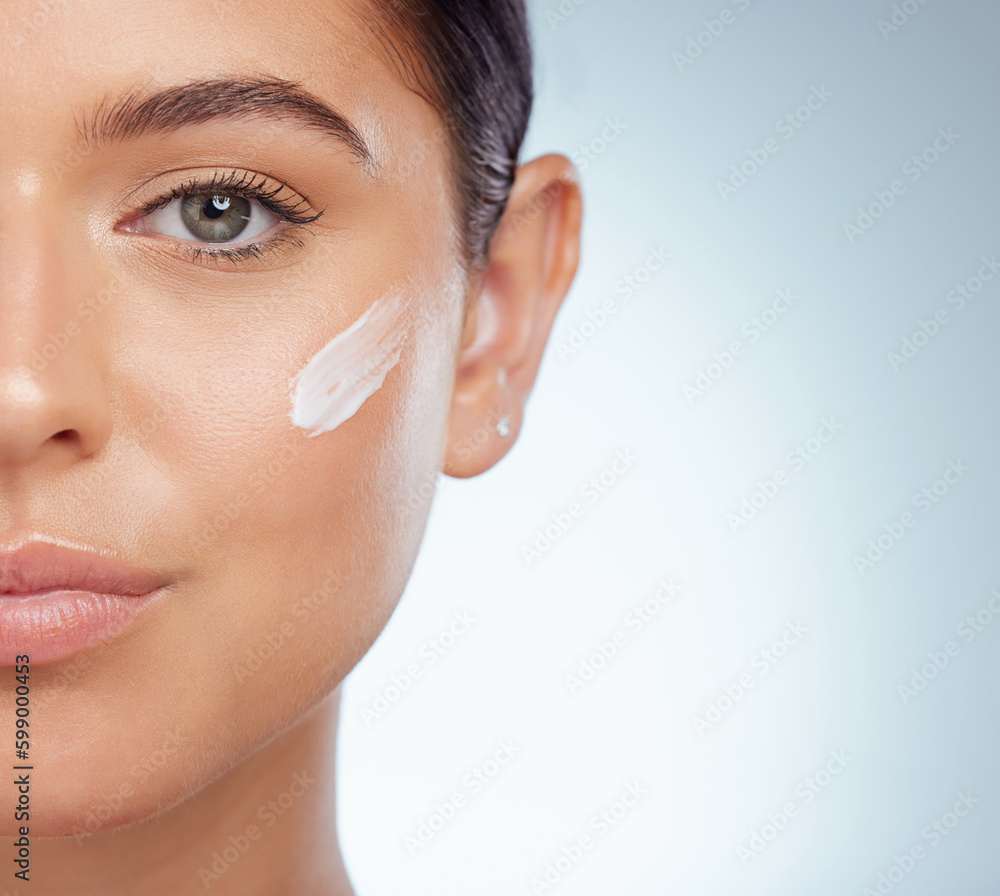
x: 766, y: 645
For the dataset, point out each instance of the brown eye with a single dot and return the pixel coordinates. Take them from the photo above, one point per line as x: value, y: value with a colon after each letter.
x: 216, y: 218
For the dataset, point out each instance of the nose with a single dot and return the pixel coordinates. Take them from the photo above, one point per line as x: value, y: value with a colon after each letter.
x: 54, y: 404
x: 57, y: 415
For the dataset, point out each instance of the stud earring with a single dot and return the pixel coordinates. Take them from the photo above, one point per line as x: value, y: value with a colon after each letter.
x: 503, y: 426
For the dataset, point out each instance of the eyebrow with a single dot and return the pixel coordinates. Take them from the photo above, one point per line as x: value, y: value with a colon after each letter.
x: 139, y: 114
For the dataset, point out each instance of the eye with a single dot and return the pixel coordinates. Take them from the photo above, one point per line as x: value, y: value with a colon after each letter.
x: 225, y: 216
x: 214, y: 218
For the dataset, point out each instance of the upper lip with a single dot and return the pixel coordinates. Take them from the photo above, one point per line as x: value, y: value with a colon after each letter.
x: 38, y: 565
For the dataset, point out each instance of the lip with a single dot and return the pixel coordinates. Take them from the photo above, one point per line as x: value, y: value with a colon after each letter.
x: 57, y: 599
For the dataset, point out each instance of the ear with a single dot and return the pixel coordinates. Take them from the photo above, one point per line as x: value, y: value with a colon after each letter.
x: 533, y: 258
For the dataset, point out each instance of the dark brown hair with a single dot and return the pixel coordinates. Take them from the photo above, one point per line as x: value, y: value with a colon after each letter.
x: 471, y: 60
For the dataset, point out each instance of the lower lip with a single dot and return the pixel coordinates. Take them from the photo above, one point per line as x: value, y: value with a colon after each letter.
x: 52, y: 625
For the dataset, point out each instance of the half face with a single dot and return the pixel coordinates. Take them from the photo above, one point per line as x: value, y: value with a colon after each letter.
x: 197, y: 200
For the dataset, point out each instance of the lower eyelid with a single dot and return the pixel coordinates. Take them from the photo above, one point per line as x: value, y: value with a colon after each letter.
x: 215, y: 254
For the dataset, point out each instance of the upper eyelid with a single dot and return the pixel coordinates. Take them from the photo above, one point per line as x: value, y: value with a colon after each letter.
x: 239, y: 183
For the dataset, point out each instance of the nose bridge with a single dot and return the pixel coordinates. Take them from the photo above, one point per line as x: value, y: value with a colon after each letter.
x: 52, y: 395
x: 29, y: 262
x: 35, y: 292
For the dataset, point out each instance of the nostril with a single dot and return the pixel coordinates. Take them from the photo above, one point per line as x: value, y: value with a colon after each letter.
x: 69, y: 439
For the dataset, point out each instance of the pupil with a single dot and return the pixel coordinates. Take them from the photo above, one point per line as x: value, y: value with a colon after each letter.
x: 216, y: 207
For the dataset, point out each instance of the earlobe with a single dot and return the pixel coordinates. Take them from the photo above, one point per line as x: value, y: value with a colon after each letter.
x: 533, y: 259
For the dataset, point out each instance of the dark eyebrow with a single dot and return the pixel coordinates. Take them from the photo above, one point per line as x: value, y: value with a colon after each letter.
x: 138, y: 113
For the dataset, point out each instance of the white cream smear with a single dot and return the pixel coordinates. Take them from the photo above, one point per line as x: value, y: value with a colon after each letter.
x: 349, y: 369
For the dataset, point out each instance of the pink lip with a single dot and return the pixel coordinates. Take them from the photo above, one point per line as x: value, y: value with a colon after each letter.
x: 57, y: 599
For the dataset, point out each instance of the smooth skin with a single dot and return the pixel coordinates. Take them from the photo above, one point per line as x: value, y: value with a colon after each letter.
x: 160, y: 427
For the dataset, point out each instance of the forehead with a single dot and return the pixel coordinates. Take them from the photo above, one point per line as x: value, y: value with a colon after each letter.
x: 63, y: 58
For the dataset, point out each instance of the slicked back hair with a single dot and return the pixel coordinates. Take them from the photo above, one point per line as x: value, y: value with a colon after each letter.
x: 471, y: 60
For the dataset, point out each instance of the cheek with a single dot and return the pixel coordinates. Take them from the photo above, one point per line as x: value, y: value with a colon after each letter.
x: 295, y: 549
x: 263, y: 512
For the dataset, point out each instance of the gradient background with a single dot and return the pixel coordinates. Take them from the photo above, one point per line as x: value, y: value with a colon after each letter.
x: 708, y: 792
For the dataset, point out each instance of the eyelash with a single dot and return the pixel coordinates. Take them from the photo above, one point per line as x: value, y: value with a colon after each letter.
x: 247, y: 186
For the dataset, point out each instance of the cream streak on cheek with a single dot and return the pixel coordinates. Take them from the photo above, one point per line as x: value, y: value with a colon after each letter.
x: 345, y: 373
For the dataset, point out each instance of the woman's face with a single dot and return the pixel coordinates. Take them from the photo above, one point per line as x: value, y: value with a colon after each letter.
x: 146, y: 389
